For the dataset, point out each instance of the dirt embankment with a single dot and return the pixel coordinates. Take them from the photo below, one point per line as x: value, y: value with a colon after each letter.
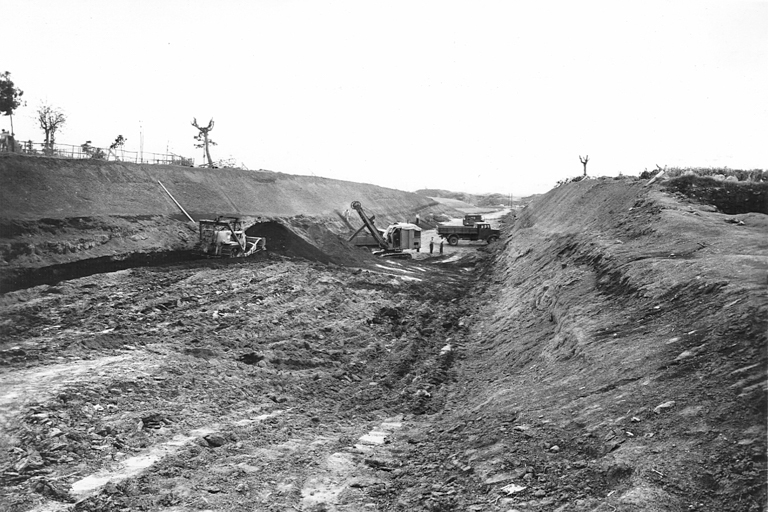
x: 617, y: 358
x: 56, y: 212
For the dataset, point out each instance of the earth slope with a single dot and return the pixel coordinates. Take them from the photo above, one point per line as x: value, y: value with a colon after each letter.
x: 615, y: 359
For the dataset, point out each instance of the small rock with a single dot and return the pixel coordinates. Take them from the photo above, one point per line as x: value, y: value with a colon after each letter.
x: 554, y: 449
x: 51, y: 489
x: 513, y: 488
x: 501, y: 477
x: 215, y: 440
x: 663, y: 407
x: 539, y: 494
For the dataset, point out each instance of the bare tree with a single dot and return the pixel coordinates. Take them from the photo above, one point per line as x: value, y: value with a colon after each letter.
x: 202, y: 139
x: 584, y: 163
x: 50, y: 119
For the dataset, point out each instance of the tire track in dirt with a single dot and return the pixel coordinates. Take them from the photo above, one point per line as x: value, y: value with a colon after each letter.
x: 21, y: 387
x: 341, y: 471
x: 135, y: 466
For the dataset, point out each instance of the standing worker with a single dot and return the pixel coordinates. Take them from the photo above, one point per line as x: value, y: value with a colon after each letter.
x: 441, y: 247
x: 417, y: 219
x: 431, y: 245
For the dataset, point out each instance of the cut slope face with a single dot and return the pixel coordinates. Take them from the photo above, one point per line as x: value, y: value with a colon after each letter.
x: 35, y: 188
x: 624, y: 335
x: 58, y: 215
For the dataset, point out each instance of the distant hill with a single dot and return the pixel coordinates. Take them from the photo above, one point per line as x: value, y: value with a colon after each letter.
x: 473, y: 199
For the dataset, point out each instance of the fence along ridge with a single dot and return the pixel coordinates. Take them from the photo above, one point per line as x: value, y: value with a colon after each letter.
x: 86, y: 151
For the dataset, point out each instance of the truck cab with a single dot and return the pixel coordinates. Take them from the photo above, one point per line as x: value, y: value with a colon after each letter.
x: 484, y: 232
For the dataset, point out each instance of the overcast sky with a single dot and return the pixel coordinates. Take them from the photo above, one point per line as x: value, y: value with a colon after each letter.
x: 474, y: 96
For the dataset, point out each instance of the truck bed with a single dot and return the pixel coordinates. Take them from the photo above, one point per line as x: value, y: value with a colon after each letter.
x: 456, y: 230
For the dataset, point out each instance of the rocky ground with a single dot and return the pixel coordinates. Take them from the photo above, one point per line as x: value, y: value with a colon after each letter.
x: 609, y: 353
x: 247, y: 383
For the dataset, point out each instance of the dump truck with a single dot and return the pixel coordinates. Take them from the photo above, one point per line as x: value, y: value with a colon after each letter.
x: 225, y: 237
x: 479, y: 231
x: 389, y: 242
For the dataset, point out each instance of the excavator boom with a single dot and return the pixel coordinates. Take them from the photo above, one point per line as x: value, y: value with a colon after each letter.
x: 368, y: 222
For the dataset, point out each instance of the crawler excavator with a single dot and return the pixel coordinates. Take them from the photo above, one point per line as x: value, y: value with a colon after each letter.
x: 392, y: 241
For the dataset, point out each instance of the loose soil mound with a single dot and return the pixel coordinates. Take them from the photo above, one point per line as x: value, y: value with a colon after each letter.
x: 305, y: 239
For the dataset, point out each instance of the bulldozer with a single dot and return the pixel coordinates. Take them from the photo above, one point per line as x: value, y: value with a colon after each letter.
x: 225, y: 237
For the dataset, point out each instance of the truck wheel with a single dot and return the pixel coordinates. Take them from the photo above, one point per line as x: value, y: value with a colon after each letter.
x: 453, y: 240
x: 492, y: 239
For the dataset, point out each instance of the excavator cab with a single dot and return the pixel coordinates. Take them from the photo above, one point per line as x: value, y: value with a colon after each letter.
x: 402, y: 236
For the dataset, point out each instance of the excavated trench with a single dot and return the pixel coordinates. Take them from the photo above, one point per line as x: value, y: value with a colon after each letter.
x: 19, y: 279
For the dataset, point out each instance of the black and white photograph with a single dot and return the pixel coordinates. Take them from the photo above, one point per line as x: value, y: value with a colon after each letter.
x: 362, y: 256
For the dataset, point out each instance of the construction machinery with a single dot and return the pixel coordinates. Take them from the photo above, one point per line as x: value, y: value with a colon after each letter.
x: 478, y: 231
x: 392, y: 241
x: 225, y: 238
x: 471, y: 219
